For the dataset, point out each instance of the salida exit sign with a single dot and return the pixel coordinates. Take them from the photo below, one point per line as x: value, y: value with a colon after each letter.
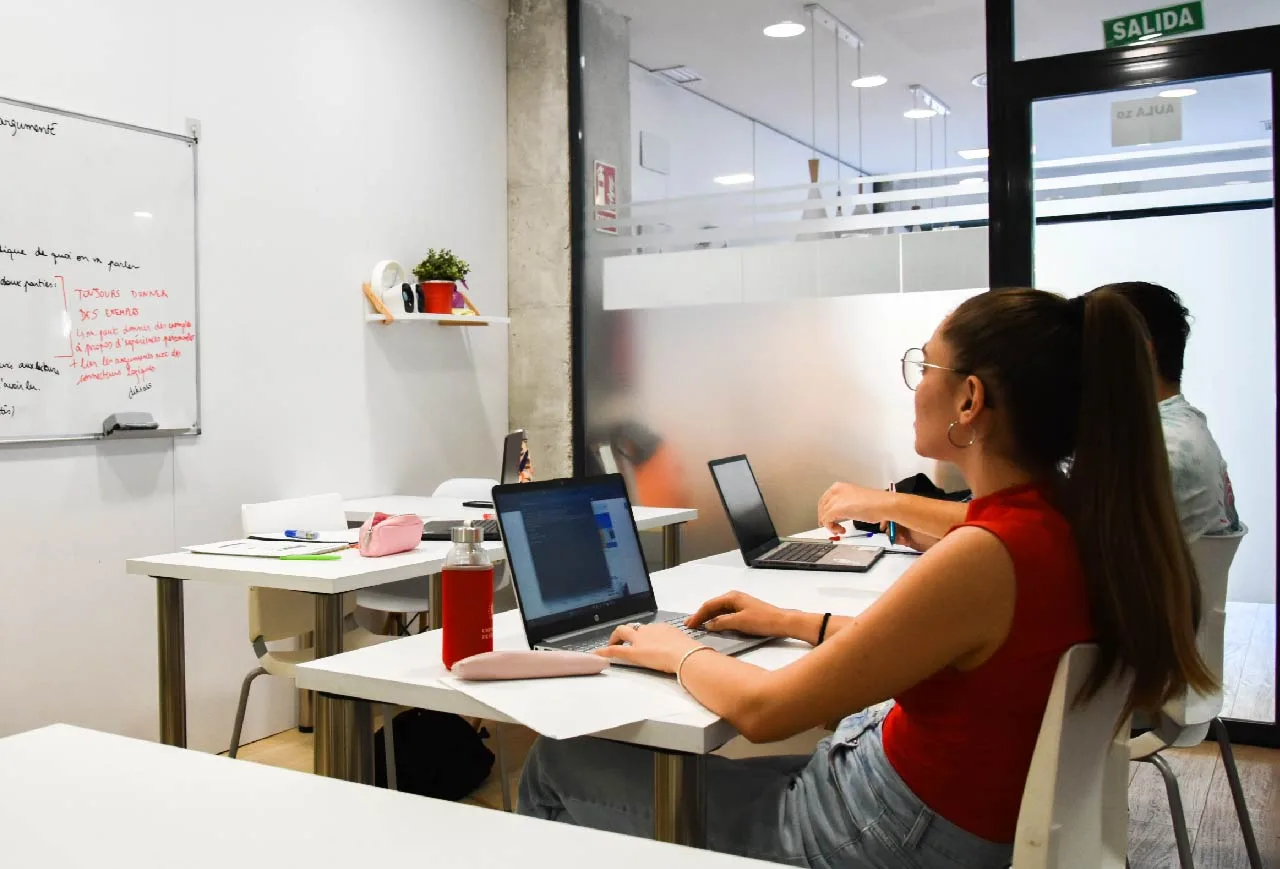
x: 1142, y: 26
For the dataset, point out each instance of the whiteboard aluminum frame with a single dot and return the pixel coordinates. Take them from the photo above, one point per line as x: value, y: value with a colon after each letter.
x: 193, y: 142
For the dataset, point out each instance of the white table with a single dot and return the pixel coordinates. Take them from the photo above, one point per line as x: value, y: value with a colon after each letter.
x: 408, y: 671
x: 327, y: 581
x: 669, y: 520
x: 73, y: 797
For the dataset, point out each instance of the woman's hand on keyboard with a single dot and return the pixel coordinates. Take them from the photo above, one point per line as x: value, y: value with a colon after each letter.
x: 741, y: 612
x: 656, y: 646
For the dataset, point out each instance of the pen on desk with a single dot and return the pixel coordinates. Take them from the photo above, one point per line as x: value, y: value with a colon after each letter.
x: 301, y: 535
x: 893, y: 528
x: 835, y: 538
x: 310, y: 557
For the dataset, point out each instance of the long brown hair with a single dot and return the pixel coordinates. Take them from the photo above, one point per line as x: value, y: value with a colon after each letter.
x: 1075, y: 381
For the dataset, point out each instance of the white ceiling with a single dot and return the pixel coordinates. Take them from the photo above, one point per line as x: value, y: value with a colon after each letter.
x: 939, y: 44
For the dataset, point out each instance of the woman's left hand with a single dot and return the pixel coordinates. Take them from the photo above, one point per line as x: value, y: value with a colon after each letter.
x: 656, y: 646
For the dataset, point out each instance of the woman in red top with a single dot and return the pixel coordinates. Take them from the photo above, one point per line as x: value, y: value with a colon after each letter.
x: 1010, y: 386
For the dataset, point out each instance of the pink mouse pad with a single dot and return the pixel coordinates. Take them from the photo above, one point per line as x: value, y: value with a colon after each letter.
x: 527, y: 664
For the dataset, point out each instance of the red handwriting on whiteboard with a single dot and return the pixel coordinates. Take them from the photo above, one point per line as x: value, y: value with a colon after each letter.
x: 139, y: 342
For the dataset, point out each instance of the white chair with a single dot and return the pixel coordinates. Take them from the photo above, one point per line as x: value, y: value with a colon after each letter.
x: 1074, y: 812
x: 408, y: 599
x: 1187, y: 720
x: 290, y: 615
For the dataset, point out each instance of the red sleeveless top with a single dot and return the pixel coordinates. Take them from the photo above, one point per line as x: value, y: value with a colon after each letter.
x: 962, y: 741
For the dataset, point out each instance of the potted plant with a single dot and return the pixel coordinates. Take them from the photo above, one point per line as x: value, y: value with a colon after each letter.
x: 439, y: 274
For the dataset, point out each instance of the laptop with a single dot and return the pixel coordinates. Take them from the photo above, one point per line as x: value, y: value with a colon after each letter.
x: 575, y: 561
x: 516, y: 468
x: 758, y: 539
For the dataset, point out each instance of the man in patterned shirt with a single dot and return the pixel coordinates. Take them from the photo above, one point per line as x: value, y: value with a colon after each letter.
x: 1201, y: 485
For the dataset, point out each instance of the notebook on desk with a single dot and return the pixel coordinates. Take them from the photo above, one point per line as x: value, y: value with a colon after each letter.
x: 266, y: 548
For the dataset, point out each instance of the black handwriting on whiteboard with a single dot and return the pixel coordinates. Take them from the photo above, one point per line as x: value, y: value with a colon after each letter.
x: 11, y: 252
x: 49, y: 129
x: 25, y: 284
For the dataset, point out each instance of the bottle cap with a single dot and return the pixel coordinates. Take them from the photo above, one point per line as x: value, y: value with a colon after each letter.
x: 467, y: 533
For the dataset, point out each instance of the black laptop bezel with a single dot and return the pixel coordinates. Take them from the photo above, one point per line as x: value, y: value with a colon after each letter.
x: 750, y: 556
x: 624, y: 608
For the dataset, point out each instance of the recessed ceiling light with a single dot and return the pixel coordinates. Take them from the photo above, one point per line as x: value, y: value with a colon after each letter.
x: 739, y: 178
x: 979, y: 80
x: 142, y: 214
x: 1174, y: 93
x: 869, y: 81
x: 784, y: 29
x: 1147, y: 37
x: 971, y: 180
x: 918, y: 114
x: 974, y: 153
x: 1233, y: 182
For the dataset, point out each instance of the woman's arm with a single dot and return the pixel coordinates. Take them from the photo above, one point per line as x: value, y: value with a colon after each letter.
x: 929, y: 516
x: 953, y: 607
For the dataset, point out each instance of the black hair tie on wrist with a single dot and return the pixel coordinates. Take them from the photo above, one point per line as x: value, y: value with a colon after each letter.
x: 822, y: 631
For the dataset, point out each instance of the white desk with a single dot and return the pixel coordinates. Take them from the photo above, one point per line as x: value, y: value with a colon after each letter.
x: 408, y: 671
x: 327, y: 581
x: 667, y: 519
x: 73, y: 797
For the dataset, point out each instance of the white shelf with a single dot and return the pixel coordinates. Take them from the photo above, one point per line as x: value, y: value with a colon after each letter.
x: 440, y: 319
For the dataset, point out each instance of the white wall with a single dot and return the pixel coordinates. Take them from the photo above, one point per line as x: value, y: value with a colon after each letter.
x: 335, y: 134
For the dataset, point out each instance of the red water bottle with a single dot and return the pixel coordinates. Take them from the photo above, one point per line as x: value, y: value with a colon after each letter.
x: 466, y: 610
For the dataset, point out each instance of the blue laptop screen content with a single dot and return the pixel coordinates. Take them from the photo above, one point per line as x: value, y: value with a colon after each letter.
x: 572, y: 550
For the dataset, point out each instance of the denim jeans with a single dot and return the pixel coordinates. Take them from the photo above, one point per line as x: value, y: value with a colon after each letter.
x: 842, y: 806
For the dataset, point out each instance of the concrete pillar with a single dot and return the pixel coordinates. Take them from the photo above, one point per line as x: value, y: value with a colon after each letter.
x: 538, y: 236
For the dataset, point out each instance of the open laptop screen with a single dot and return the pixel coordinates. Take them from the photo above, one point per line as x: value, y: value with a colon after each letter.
x: 743, y: 502
x: 574, y: 553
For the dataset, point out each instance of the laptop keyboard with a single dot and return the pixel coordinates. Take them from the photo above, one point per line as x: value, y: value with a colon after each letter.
x: 599, y: 641
x: 801, y: 553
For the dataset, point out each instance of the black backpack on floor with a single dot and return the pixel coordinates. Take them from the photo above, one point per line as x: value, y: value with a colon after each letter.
x: 438, y: 754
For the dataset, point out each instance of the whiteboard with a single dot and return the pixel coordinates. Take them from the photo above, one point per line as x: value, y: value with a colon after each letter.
x: 97, y: 275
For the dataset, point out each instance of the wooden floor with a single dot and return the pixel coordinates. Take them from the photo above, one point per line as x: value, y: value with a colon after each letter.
x: 1249, y: 662
x: 1211, y: 818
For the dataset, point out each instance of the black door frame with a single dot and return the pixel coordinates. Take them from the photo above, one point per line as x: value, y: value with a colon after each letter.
x: 1013, y: 86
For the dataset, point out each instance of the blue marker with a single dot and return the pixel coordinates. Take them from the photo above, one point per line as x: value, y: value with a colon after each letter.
x: 302, y: 535
x: 893, y: 529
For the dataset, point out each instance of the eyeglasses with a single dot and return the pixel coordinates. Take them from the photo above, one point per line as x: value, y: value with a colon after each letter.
x: 913, y: 366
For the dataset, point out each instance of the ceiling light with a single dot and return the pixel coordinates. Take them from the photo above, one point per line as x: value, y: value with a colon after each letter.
x: 919, y: 114
x: 1174, y: 93
x: 784, y: 29
x: 680, y: 75
x: 740, y: 178
x: 979, y: 80
x: 1147, y: 37
x: 1234, y: 182
x: 971, y: 180
x: 974, y: 153
x: 869, y: 81
x: 142, y: 214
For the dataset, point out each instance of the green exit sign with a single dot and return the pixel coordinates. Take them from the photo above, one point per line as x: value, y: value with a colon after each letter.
x: 1157, y: 23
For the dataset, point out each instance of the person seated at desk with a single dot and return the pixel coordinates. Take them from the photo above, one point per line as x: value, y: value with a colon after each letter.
x: 1201, y: 485
x: 1012, y: 383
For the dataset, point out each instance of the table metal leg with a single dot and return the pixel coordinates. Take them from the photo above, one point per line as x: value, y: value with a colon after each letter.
x: 680, y: 799
x: 170, y: 631
x: 671, y: 545
x: 435, y: 618
x: 306, y: 716
x: 330, y: 730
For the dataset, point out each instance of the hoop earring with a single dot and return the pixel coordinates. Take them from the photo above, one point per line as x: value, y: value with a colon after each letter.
x: 973, y: 437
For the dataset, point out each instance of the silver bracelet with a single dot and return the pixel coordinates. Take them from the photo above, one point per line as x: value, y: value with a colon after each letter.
x: 686, y: 657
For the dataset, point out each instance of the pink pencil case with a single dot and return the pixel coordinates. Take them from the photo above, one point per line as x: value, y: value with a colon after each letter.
x: 527, y: 664
x: 386, y: 535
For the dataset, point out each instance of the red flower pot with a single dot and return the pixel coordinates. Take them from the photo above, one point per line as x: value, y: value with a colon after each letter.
x: 438, y: 296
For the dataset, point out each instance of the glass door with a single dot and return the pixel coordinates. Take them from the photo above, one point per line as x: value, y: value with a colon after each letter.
x: 1173, y: 184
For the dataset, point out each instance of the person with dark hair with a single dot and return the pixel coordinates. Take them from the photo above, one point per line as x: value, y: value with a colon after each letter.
x: 941, y: 713
x: 1201, y: 485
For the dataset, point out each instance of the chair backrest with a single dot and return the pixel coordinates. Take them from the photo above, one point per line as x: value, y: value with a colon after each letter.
x: 1075, y: 810
x: 281, y: 615
x: 1212, y: 555
x: 466, y: 488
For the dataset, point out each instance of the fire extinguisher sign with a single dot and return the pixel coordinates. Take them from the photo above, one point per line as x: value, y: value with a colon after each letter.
x: 606, y: 196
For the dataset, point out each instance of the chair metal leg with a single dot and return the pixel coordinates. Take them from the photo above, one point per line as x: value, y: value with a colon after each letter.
x: 389, y: 743
x: 240, y: 709
x: 502, y: 765
x: 1179, y: 816
x: 1237, y: 793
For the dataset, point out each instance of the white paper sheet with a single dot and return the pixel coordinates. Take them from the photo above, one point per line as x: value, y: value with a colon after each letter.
x: 266, y: 548
x: 580, y: 705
